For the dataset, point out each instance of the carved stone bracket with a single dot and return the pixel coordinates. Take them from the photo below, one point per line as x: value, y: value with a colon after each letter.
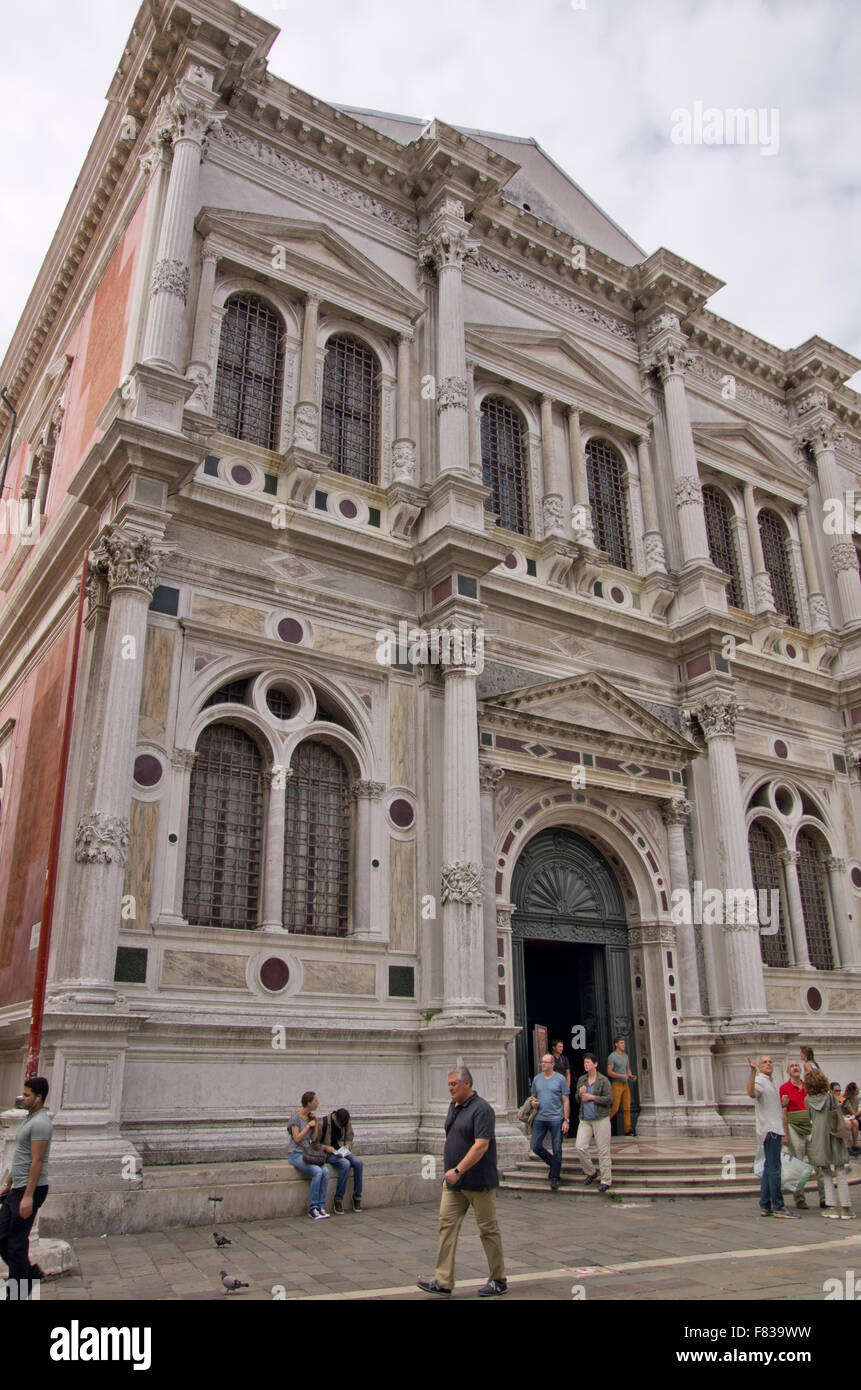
x: 101, y: 839
x: 277, y: 777
x: 558, y: 560
x: 832, y: 863
x: 404, y: 503
x: 462, y: 883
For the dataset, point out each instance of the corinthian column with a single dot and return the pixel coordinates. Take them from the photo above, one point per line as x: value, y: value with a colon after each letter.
x: 582, y: 519
x: 185, y: 118
x: 815, y: 597
x: 845, y: 931
x: 552, y: 499
x: 819, y: 430
x: 130, y: 566
x: 717, y: 715
x: 795, y: 908
x: 653, y: 543
x: 675, y: 816
x: 273, y: 871
x: 668, y: 355
x: 446, y: 247
x: 763, y: 596
x: 462, y: 873
x: 199, y: 367
x: 404, y: 449
x: 364, y: 794
x: 305, y: 418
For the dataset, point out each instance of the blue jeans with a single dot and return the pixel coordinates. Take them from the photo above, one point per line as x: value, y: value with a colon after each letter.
x: 343, y: 1165
x: 770, y: 1195
x: 539, y: 1129
x: 319, y: 1175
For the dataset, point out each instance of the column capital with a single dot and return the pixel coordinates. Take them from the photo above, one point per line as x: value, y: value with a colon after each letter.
x: 835, y: 865
x: 489, y: 776
x: 172, y: 276
x: 448, y: 242
x: 453, y: 392
x: 817, y: 427
x: 363, y: 790
x: 573, y: 412
x: 717, y: 715
x: 277, y: 777
x: 406, y: 336
x: 688, y: 491
x: 209, y: 252
x: 188, y: 113
x: 183, y: 759
x: 788, y: 856
x: 101, y: 839
x: 127, y: 561
x: 462, y: 882
x: 844, y: 556
x: 312, y: 300
x: 676, y: 811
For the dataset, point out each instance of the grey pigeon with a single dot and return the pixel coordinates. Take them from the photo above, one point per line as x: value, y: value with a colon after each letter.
x: 220, y: 1240
x: 229, y: 1282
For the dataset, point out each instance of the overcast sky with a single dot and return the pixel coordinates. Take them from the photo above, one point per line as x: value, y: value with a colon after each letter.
x: 596, y: 85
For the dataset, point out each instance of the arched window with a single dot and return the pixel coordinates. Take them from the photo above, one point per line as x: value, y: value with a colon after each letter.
x: 813, y: 901
x: 248, y: 381
x: 225, y: 822
x: 317, y: 843
x: 766, y: 878
x: 605, y: 477
x: 503, y: 464
x: 351, y: 409
x: 722, y: 546
x: 773, y: 535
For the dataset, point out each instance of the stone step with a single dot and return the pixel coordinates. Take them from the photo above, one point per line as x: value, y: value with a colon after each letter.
x: 725, y: 1190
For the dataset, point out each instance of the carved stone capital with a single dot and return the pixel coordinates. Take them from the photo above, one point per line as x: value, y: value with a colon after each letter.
x: 652, y: 934
x: 671, y: 358
x: 462, y: 883
x: 185, y: 115
x: 183, y: 759
x: 676, y: 811
x: 367, y: 791
x: 101, y: 839
x: 717, y: 715
x: 688, y: 491
x: 820, y: 431
x: 172, y: 277
x: 453, y: 392
x: 788, y: 856
x: 489, y: 776
x: 835, y: 865
x: 277, y: 777
x: 503, y: 918
x: 844, y: 556
x: 127, y: 561
x: 448, y: 244
x: 29, y: 483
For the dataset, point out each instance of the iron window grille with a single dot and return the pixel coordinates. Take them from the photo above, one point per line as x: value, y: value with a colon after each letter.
x: 722, y: 546
x: 773, y: 535
x: 606, y: 481
x: 350, y: 434
x: 766, y: 876
x: 317, y: 843
x: 503, y: 464
x: 813, y: 902
x: 225, y: 823
x: 248, y: 380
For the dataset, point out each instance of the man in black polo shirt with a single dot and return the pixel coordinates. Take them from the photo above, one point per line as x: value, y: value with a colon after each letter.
x: 471, y: 1180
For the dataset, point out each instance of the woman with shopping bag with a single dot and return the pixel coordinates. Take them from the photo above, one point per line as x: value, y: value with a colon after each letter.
x: 828, y: 1145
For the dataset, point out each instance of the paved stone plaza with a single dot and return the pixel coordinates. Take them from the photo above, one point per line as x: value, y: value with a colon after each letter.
x: 685, y: 1249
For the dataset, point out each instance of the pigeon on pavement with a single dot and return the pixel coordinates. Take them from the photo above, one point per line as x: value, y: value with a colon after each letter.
x: 230, y: 1283
x: 221, y: 1240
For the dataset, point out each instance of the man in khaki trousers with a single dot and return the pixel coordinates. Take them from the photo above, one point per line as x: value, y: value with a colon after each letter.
x: 471, y: 1180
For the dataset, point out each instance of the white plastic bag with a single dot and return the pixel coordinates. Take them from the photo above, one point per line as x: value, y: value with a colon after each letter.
x: 794, y: 1172
x: 759, y: 1161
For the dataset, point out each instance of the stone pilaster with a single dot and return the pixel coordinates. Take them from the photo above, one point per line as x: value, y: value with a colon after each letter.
x: 717, y: 714
x: 667, y: 354
x: 845, y: 931
x: 551, y: 503
x: 489, y: 777
x: 763, y: 597
x: 199, y: 369
x: 276, y: 779
x: 365, y: 794
x: 795, y: 908
x: 816, y: 602
x: 582, y: 519
x: 819, y: 429
x: 653, y: 542
x: 404, y: 448
x: 675, y: 815
x: 305, y: 420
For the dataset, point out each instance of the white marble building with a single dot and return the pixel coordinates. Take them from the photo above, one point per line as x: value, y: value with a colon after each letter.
x: 295, y: 375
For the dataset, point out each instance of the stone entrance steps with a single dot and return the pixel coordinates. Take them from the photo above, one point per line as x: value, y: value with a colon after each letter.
x: 647, y: 1169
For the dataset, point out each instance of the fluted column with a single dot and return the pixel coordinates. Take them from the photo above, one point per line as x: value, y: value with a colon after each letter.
x: 131, y: 567
x: 404, y: 449
x: 717, y: 714
x: 305, y: 431
x: 185, y: 118
x: 847, y: 932
x: 653, y: 541
x: 675, y: 816
x: 795, y: 908
x: 462, y: 873
x: 816, y: 602
x: 489, y: 779
x: 667, y: 353
x: 173, y: 860
x: 364, y: 793
x: 446, y: 247
x: 273, y: 869
x: 819, y: 429
x: 763, y: 597
x: 582, y: 520
x: 44, y: 458
x: 552, y: 499
x: 199, y: 367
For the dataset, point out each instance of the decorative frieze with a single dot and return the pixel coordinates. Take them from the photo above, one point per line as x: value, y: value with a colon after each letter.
x: 550, y: 295
x: 743, y: 391
x: 652, y: 935
x: 101, y: 839
x: 462, y: 883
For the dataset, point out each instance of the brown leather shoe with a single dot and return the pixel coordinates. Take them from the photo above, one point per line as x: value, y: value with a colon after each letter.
x: 801, y: 1204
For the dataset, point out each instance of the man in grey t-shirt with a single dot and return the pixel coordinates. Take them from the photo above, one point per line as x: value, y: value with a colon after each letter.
x: 621, y: 1076
x: 24, y: 1189
x: 552, y: 1106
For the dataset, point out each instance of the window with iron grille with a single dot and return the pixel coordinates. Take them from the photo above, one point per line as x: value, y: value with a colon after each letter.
x: 351, y: 409
x: 811, y: 881
x: 605, y: 477
x: 765, y: 869
x: 773, y: 535
x: 722, y: 546
x: 317, y: 843
x: 248, y: 380
x: 225, y: 823
x: 232, y: 693
x: 503, y: 464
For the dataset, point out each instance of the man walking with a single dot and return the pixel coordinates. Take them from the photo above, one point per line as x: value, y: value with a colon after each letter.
x: 560, y: 1061
x: 471, y: 1179
x: 595, y: 1095
x: 550, y: 1098
x: 798, y: 1126
x: 621, y: 1076
x: 769, y: 1133
x: 25, y: 1189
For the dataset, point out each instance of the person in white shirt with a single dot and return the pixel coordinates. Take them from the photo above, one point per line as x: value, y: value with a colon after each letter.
x: 770, y: 1133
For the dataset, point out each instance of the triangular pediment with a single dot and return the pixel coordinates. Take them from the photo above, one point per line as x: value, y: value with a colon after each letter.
x: 309, y: 253
x: 745, y: 448
x: 553, y: 360
x: 590, y: 702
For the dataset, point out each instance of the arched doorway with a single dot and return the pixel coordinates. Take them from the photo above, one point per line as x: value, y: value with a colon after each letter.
x: 569, y: 951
